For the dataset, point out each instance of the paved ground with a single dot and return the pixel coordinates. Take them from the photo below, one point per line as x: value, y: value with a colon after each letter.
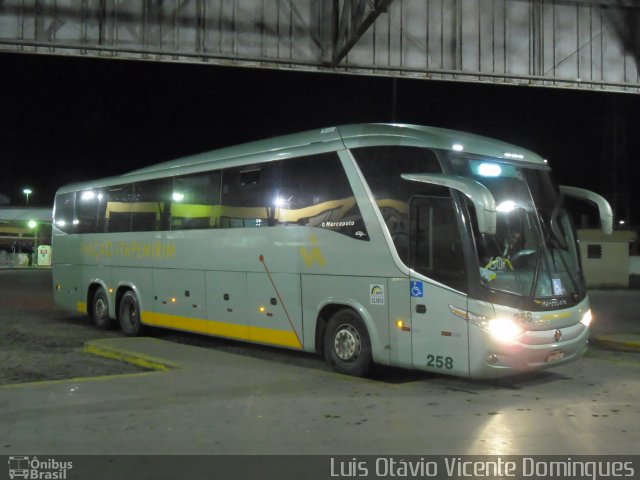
x: 41, y: 342
x: 616, y: 322
x: 217, y: 402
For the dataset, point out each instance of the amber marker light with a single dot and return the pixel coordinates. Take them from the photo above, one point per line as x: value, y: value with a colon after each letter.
x: 402, y: 326
x: 262, y: 309
x: 173, y: 300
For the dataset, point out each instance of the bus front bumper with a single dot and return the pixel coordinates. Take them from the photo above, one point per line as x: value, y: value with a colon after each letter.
x: 491, y: 358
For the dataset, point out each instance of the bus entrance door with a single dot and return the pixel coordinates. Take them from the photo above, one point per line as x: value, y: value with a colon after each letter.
x: 439, y: 336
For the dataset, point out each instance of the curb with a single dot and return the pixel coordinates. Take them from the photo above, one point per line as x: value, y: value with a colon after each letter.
x: 615, y: 343
x: 97, y: 347
x: 27, y: 267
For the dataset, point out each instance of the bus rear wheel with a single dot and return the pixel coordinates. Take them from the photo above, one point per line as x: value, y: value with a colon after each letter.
x: 346, y: 347
x: 100, y: 310
x: 129, y: 317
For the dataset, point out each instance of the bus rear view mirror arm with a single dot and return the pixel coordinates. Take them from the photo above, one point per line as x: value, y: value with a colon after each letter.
x: 480, y: 195
x: 606, y: 214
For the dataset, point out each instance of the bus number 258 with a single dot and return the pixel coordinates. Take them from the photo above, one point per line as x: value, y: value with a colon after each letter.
x: 438, y: 361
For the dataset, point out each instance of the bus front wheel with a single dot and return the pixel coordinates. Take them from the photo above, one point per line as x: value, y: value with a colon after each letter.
x: 347, y: 348
x: 130, y: 315
x: 100, y: 310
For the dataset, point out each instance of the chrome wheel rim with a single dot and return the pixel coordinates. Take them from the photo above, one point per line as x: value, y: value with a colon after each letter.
x: 100, y: 308
x: 347, y: 343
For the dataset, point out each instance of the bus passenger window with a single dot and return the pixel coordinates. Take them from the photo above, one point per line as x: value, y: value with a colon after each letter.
x: 63, y: 213
x: 195, y: 201
x: 248, y: 196
x: 315, y: 192
x: 151, y: 205
x: 87, y: 202
x: 250, y: 177
x: 382, y: 167
x: 117, y: 210
x: 308, y: 191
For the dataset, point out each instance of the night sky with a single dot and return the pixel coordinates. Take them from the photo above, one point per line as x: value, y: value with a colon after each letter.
x: 70, y: 119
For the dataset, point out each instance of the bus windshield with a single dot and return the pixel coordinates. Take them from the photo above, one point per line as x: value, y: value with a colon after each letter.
x: 534, y: 251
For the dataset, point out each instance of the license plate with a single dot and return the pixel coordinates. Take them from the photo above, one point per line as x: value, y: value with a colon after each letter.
x: 555, y: 356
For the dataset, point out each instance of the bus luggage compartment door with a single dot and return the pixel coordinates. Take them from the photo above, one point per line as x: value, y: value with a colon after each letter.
x: 179, y: 299
x: 275, y: 309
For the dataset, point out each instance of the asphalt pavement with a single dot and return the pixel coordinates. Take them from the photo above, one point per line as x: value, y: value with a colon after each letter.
x: 616, y: 319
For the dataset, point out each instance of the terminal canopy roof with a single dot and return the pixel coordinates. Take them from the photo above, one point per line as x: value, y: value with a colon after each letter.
x: 19, y: 214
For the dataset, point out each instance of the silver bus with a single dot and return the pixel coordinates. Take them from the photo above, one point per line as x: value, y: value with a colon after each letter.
x: 400, y: 245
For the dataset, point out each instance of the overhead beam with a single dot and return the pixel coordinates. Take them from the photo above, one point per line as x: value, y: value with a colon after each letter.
x: 626, y: 22
x: 353, y: 22
x: 579, y: 44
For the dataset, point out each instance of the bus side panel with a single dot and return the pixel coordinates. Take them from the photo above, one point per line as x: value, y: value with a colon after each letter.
x: 400, y: 311
x: 66, y: 272
x: 178, y: 300
x: 226, y: 304
x: 275, y: 309
x: 440, y: 338
x: 358, y: 293
x: 66, y: 289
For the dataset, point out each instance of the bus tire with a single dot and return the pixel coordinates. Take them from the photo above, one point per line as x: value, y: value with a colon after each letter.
x: 347, y: 347
x: 129, y: 316
x: 100, y: 310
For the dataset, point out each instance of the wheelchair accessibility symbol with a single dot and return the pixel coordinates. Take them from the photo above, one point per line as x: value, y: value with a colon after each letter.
x: 417, y: 289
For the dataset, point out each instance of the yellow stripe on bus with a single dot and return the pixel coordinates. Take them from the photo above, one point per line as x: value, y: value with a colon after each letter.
x: 230, y: 330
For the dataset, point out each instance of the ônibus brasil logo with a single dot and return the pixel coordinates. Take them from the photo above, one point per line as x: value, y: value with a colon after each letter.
x: 33, y: 468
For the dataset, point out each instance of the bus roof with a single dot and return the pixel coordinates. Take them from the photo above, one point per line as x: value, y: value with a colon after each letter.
x: 326, y: 139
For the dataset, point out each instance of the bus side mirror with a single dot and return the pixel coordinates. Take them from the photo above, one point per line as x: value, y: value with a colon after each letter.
x: 480, y: 195
x: 604, y: 209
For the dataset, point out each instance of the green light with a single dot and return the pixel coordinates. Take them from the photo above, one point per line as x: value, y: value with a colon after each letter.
x: 32, y: 224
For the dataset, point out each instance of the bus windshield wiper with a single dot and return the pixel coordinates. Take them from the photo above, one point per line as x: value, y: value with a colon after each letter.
x: 554, y: 244
x: 557, y: 237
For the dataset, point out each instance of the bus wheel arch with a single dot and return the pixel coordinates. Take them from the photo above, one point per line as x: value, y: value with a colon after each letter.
x: 98, y: 307
x: 129, y: 314
x: 346, y: 342
x: 324, y: 316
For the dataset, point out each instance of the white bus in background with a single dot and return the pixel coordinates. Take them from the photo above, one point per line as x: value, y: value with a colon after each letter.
x: 390, y: 244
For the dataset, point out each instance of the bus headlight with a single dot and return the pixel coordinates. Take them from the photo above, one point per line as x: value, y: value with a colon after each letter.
x: 586, y: 318
x: 504, y: 329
